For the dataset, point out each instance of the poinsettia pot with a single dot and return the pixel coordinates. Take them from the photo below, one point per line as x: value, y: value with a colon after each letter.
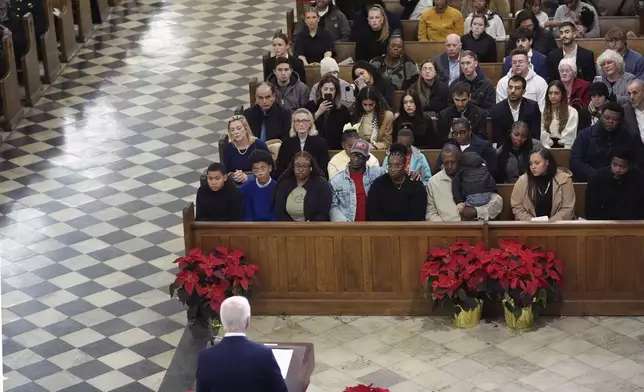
x: 520, y: 317
x: 468, y: 318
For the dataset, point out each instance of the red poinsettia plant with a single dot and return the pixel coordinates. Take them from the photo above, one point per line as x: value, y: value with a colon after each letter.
x: 524, y: 275
x: 204, y: 281
x: 365, y: 388
x: 456, y: 275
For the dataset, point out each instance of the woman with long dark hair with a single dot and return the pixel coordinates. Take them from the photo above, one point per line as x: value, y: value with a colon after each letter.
x: 374, y: 118
x: 559, y: 120
x: 366, y: 75
x: 302, y: 192
x: 545, y: 192
x: 434, y: 95
x: 411, y: 113
x: 514, y: 154
x: 329, y: 113
x: 394, y: 196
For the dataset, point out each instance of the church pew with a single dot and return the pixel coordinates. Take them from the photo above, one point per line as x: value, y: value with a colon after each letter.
x: 49, y: 47
x: 9, y: 87
x: 505, y: 191
x: 374, y: 267
x: 65, y: 32
x: 83, y: 19
x: 29, y: 64
x: 103, y: 11
x: 114, y: 3
x: 421, y: 51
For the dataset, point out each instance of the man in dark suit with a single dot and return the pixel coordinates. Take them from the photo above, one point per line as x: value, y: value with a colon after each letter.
x: 236, y: 364
x: 448, y: 65
x: 462, y: 107
x: 584, y: 58
x: 524, y: 38
x: 267, y: 119
x: 512, y: 109
x: 634, y: 110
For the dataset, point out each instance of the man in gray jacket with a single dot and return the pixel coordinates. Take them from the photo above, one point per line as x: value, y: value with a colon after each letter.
x: 291, y: 92
x: 331, y: 19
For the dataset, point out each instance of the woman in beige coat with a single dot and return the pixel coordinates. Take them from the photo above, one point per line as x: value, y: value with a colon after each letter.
x: 545, y: 192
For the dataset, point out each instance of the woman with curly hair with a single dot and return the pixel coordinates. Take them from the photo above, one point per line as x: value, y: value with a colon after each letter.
x: 374, y: 117
x: 302, y: 192
x: 559, y: 120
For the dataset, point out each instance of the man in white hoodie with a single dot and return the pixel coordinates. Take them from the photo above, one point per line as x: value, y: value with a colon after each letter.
x: 536, y: 88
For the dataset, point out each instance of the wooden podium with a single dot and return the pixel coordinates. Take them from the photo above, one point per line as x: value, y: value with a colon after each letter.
x: 301, y: 367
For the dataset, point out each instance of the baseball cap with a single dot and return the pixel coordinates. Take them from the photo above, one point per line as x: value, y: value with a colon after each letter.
x: 362, y: 147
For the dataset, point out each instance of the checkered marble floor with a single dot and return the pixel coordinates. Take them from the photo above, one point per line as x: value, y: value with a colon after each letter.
x: 421, y: 354
x: 92, y: 185
x: 91, y: 189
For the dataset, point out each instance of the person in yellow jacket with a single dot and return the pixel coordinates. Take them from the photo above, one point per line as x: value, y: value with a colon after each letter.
x: 436, y: 23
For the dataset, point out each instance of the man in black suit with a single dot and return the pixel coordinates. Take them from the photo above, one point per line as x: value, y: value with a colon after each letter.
x: 462, y: 107
x: 512, y: 109
x: 634, y: 110
x: 584, y: 58
x: 237, y: 364
x: 267, y: 119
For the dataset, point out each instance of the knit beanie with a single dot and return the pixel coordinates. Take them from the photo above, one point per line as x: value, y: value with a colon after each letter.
x: 327, y: 65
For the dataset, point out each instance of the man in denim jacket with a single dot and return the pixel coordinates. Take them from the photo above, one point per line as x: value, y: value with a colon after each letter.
x: 350, y: 187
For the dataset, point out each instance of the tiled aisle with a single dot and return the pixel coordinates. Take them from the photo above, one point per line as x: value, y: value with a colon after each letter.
x: 91, y: 190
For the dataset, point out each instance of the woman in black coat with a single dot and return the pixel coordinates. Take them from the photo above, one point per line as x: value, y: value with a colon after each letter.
x: 302, y: 192
x: 480, y: 42
x: 411, y: 115
x: 434, y: 95
x: 303, y: 136
x: 281, y: 49
x: 371, y: 77
x: 330, y: 115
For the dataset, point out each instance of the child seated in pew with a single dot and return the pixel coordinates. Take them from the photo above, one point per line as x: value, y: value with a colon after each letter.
x: 219, y: 200
x: 473, y: 185
x: 584, y: 21
x: 258, y: 194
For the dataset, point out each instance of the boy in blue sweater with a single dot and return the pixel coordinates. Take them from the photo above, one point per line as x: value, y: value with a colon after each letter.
x: 258, y: 193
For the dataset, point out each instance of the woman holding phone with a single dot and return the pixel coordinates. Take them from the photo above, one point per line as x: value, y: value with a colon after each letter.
x: 329, y: 113
x: 366, y: 75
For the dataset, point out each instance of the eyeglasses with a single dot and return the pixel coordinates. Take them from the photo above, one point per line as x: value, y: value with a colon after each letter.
x: 302, y: 167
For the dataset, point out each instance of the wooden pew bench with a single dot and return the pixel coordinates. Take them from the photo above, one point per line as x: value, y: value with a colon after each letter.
x: 30, y: 69
x: 324, y: 268
x: 49, y: 47
x: 13, y: 112
x: 65, y: 32
x: 83, y: 19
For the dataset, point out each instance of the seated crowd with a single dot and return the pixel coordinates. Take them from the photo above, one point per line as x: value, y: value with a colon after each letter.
x: 306, y: 154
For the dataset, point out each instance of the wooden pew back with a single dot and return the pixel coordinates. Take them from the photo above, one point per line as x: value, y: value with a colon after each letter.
x: 505, y: 191
x: 9, y: 87
x: 49, y: 47
x: 29, y: 63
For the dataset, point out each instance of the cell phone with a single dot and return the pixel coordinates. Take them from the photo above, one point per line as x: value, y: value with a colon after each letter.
x: 328, y: 97
x: 359, y: 82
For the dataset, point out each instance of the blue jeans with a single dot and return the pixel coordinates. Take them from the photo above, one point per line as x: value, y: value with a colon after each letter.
x: 478, y: 199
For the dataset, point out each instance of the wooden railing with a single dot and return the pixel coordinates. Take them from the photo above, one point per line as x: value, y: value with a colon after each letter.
x: 374, y: 268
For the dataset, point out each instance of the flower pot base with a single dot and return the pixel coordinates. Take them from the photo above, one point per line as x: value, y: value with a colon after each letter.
x: 468, y: 318
x: 524, y: 321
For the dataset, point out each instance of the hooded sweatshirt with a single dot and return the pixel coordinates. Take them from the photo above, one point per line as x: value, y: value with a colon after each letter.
x: 293, y: 96
x: 536, y: 88
x: 482, y: 90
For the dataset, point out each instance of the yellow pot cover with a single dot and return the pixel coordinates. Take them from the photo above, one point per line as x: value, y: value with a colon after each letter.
x: 468, y: 318
x: 525, y: 321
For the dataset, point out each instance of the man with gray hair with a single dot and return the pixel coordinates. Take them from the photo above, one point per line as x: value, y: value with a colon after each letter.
x: 634, y: 109
x: 236, y: 364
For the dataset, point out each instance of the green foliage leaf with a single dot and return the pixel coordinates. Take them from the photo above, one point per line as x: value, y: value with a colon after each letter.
x: 172, y: 289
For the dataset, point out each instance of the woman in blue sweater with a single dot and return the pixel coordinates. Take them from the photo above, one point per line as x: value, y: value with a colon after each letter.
x: 258, y: 193
x: 241, y: 144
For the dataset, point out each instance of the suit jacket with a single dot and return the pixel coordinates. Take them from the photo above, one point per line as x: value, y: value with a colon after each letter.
x: 539, y: 65
x: 442, y: 63
x: 238, y: 365
x: 631, y: 125
x: 586, y: 68
x: 277, y: 119
x: 502, y: 120
x: 314, y: 145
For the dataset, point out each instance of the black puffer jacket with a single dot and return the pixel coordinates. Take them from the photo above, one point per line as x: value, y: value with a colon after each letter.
x: 472, y: 177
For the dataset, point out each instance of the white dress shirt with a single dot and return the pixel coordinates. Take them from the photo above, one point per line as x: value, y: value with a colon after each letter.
x: 639, y: 114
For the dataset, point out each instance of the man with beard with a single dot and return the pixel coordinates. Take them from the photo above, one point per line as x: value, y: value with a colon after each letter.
x: 440, y: 199
x: 536, y: 87
x: 584, y: 58
x: 616, y: 192
x: 567, y: 11
x: 594, y: 146
x: 462, y: 107
x: 523, y: 37
x: 514, y: 108
x: 634, y: 110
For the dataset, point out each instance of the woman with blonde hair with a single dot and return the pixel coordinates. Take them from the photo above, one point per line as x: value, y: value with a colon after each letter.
x: 372, y: 36
x: 303, y: 136
x: 241, y: 144
x: 610, y: 67
x: 313, y: 43
x: 559, y: 120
